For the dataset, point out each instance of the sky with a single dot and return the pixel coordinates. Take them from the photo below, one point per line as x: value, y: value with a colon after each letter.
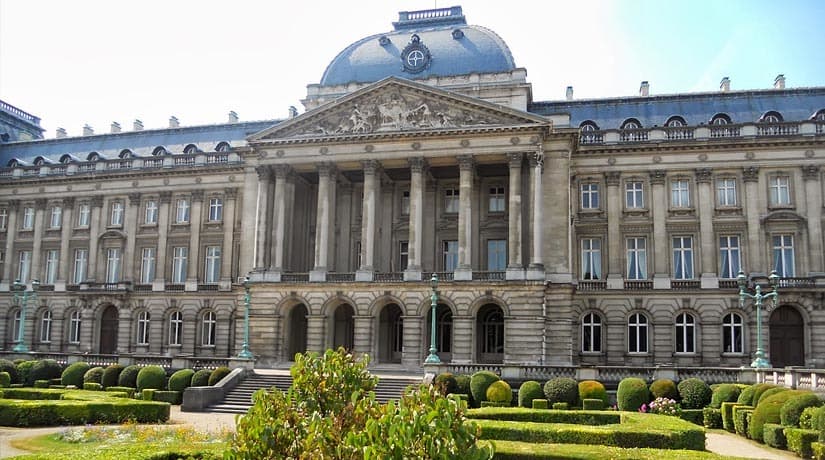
x: 97, y: 61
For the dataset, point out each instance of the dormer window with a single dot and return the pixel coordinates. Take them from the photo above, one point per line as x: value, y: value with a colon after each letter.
x: 94, y: 156
x: 819, y: 116
x: 159, y: 151
x: 631, y: 123
x: 190, y: 149
x: 222, y: 147
x: 588, y: 125
x: 39, y: 161
x: 66, y: 159
x: 675, y: 122
x: 720, y: 119
x: 771, y: 117
x: 124, y: 154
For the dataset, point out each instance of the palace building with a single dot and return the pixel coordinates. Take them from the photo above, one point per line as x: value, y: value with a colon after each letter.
x: 597, y: 232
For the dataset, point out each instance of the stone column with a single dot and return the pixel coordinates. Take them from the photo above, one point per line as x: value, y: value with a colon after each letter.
x: 316, y: 333
x: 264, y: 180
x: 11, y: 233
x: 64, y: 267
x: 194, y: 262
x: 707, y: 239
x: 462, y: 341
x: 658, y: 207
x: 363, y: 331
x: 279, y: 223
x: 535, y: 271
x: 414, y: 336
x: 159, y: 283
x: 228, y: 247
x: 369, y: 214
x: 813, y: 194
x: 246, y: 259
x: 37, y: 240
x: 413, y: 269
x: 326, y: 172
x: 755, y: 264
x: 464, y: 271
x: 515, y: 269
x: 131, y: 227
x: 94, y: 233
x: 615, y: 270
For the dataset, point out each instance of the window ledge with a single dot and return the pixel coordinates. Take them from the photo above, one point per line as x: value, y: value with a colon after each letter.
x: 780, y: 207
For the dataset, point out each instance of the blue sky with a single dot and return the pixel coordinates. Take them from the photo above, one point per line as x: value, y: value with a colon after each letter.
x: 98, y: 61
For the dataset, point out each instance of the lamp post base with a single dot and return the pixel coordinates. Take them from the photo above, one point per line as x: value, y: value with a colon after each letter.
x: 21, y: 348
x: 432, y: 358
x: 245, y: 353
x: 760, y: 363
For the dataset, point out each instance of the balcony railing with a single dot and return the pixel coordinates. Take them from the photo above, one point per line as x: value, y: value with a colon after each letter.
x: 678, y: 132
x: 590, y: 137
x: 685, y: 284
x: 175, y: 287
x: 153, y: 163
x: 797, y: 282
x: 728, y: 284
x: 633, y: 135
x: 820, y: 127
x: 208, y: 287
x: 389, y: 276
x: 295, y: 278
x: 722, y: 131
x: 488, y: 275
x: 340, y: 277
x: 635, y: 285
x: 444, y: 276
x: 143, y: 287
x: 777, y: 129
x: 591, y: 285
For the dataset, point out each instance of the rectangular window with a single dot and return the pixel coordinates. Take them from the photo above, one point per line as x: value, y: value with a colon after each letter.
x: 783, y: 256
x: 28, y: 219
x: 780, y: 191
x: 403, y: 255
x: 116, y: 218
x: 179, y: 256
x: 451, y: 201
x: 150, y: 214
x: 52, y: 260
x: 497, y: 197
x: 357, y: 255
x: 24, y: 261
x: 591, y: 259
x: 46, y: 327
x: 726, y: 191
x: 680, y: 193
x: 729, y: 257
x: 182, y: 211
x: 590, y: 196
x: 74, y: 327
x: 405, y: 202
x: 683, y: 257
x: 81, y: 260
x: 147, y: 266
x: 636, y: 258
x: 56, y: 217
x: 212, y: 270
x: 113, y: 265
x: 83, y: 215
x: 450, y: 255
x: 634, y: 195
x: 496, y: 255
x: 4, y: 218
x: 215, y: 210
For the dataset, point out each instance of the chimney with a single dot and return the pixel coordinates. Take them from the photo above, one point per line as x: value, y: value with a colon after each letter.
x: 724, y: 85
x: 293, y: 112
x: 115, y: 127
x: 173, y: 122
x: 569, y: 93
x: 60, y: 133
x: 233, y: 116
x: 87, y: 130
x: 644, y: 89
x: 779, y: 82
x: 137, y: 125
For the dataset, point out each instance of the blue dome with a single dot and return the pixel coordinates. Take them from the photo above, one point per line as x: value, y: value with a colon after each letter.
x: 423, y: 44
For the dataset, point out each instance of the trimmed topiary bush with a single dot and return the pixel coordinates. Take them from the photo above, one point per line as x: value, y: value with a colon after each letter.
x: 500, y: 392
x: 110, y: 375
x: 92, y: 386
x: 801, y: 441
x: 93, y: 375
x: 741, y: 415
x: 774, y: 435
x: 712, y: 417
x: 445, y: 382
x: 10, y: 368
x: 632, y: 393
x: 128, y: 391
x: 218, y: 374
x: 462, y: 384
x: 128, y: 376
x: 73, y: 375
x: 5, y: 379
x: 806, y: 419
x: 171, y: 397
x: 528, y: 391
x: 180, y: 380
x: 592, y: 389
x: 562, y: 389
x: 746, y: 396
x: 24, y: 371
x: 758, y: 389
x: 201, y: 378
x: 768, y: 412
x: 561, y: 406
x: 479, y: 383
x: 45, y: 369
x: 41, y: 384
x: 818, y: 449
x: 726, y: 392
x: 151, y: 377
x: 592, y: 404
x: 664, y: 388
x: 818, y: 422
x: 540, y: 404
x: 791, y: 411
x: 694, y: 393
x: 727, y: 415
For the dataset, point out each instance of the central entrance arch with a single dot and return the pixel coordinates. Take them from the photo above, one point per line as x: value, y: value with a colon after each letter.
x: 787, y: 337
x: 390, y: 334
x: 296, y: 331
x: 108, y: 330
x: 490, y: 334
x: 343, y: 328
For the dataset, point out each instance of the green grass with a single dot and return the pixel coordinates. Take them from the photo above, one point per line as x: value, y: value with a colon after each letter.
x: 512, y: 450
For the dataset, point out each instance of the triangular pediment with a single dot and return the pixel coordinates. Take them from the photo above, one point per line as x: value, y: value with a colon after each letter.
x: 395, y: 105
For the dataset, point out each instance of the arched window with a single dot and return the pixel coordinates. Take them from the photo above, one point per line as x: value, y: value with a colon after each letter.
x: 13, y: 163
x: 491, y: 333
x: 819, y: 116
x: 190, y: 149
x: 175, y: 328
x: 159, y: 151
x: 685, y: 333
x: 40, y: 161
x: 208, y: 329
x: 771, y: 117
x: 222, y: 147
x: 143, y: 328
x: 631, y: 123
x: 66, y: 159
x: 94, y: 156
x: 637, y: 333
x: 675, y: 122
x: 592, y: 333
x: 732, y: 333
x: 588, y: 125
x: 125, y: 154
x: 720, y: 119
x: 46, y: 326
x: 15, y: 326
x: 74, y: 327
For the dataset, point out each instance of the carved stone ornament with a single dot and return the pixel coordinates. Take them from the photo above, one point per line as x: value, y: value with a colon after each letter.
x: 613, y: 177
x: 750, y: 173
x: 515, y: 159
x: 704, y: 174
x: 415, y: 57
x: 658, y: 176
x: 417, y: 164
x: 810, y: 172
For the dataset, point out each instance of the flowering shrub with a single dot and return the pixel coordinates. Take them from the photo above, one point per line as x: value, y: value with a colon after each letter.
x: 665, y: 406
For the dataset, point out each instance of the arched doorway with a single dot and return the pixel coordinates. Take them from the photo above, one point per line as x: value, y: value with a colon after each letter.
x: 490, y: 334
x: 108, y: 330
x: 443, y: 333
x: 296, y: 332
x: 390, y: 334
x: 343, y: 329
x: 787, y: 337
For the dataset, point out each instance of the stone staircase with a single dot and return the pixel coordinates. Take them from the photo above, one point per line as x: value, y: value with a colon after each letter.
x: 239, y: 399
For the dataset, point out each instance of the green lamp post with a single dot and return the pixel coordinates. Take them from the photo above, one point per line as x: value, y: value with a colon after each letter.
x: 759, y: 361
x: 22, y: 296
x: 247, y: 297
x: 433, y: 358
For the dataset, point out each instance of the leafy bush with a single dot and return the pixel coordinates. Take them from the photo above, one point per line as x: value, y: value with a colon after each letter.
x: 93, y: 375
x: 768, y: 412
x: 130, y: 392
x: 45, y: 369
x: 806, y: 418
x: 11, y: 369
x: 758, y: 389
x: 5, y: 379
x: 180, y: 380
x: 462, y: 384
x: 110, y: 375
x: 695, y: 416
x: 171, y: 397
x: 529, y: 391
x: 540, y: 404
x: 41, y: 384
x: 774, y: 435
x: 92, y: 386
x: 573, y: 417
x: 479, y: 382
x: 78, y: 412
x: 592, y: 389
x: 800, y: 441
x: 73, y: 375
x: 24, y: 371
x: 500, y: 392
x: 201, y: 378
x: 711, y: 417
x: 665, y: 406
x: 792, y: 409
x: 726, y: 392
x: 632, y: 393
x: 727, y: 415
x: 746, y: 396
x: 818, y: 422
x: 561, y: 406
x: 217, y: 375
x: 592, y: 404
x: 445, y: 382
x: 740, y: 419
x: 128, y: 376
x: 151, y: 377
x: 769, y: 392
x: 818, y: 450
x: 664, y: 388
x: 695, y: 393
x: 562, y: 389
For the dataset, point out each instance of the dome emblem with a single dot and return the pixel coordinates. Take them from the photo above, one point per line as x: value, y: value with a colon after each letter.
x: 415, y: 57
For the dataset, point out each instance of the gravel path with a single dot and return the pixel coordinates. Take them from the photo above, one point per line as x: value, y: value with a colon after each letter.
x: 724, y: 443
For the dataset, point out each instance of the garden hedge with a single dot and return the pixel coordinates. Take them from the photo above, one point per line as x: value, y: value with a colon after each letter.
x: 792, y: 409
x: 632, y: 393
x: 800, y: 441
x: 446, y: 382
x: 806, y: 419
x: 592, y: 404
x: 818, y: 449
x: 758, y: 389
x: 111, y: 375
x: 24, y: 371
x: 130, y: 392
x: 695, y: 416
x: 767, y: 393
x: 562, y: 389
x: 561, y: 406
x: 180, y: 380
x: 92, y: 386
x: 41, y: 384
x: 664, y: 388
x: 518, y: 414
x: 767, y: 411
x: 774, y: 435
x: 73, y: 375
x: 93, y: 375
x: 500, y: 392
x: 727, y: 415
x: 694, y: 393
x: 746, y: 396
x: 462, y: 384
x: 218, y: 374
x: 592, y: 389
x: 151, y: 377
x: 171, y: 397
x: 45, y: 369
x: 740, y: 419
x: 726, y: 392
x: 478, y: 385
x: 529, y: 391
x: 201, y: 378
x: 11, y: 368
x: 128, y: 376
x: 513, y: 450
x: 19, y: 413
x: 711, y: 417
x: 5, y: 379
x: 540, y: 404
